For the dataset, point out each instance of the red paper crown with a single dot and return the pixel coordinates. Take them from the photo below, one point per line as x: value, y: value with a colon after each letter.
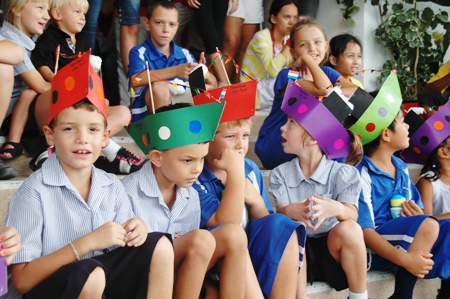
x: 75, y: 82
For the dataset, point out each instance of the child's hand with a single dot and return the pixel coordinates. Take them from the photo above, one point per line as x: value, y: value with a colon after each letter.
x: 301, y: 212
x: 230, y: 160
x: 234, y: 5
x: 107, y: 235
x: 194, y: 3
x: 418, y: 263
x: 183, y: 70
x: 9, y: 243
x: 252, y: 197
x: 410, y: 208
x: 137, y: 232
x: 324, y: 208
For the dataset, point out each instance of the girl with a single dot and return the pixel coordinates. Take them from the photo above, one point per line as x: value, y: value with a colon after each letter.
x: 23, y: 20
x: 345, y: 56
x: 322, y: 193
x: 268, y: 52
x: 309, y: 46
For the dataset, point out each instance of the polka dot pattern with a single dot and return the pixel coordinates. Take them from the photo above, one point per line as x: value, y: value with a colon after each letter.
x: 164, y: 133
x: 195, y: 126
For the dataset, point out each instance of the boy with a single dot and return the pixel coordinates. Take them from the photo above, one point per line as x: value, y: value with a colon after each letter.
x: 414, y: 245
x: 72, y: 216
x: 165, y: 59
x: 163, y: 196
x: 67, y: 21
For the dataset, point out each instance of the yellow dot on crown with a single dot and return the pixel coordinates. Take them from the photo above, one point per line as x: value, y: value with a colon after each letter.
x: 438, y: 125
x: 417, y: 150
x: 100, y: 92
x: 69, y: 83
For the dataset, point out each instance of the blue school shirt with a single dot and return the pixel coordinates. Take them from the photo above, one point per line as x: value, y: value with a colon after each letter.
x: 147, y: 52
x: 210, y: 189
x: 148, y: 204
x: 268, y: 145
x: 378, y: 188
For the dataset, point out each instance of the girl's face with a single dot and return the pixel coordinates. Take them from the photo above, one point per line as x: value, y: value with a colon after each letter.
x: 32, y: 18
x: 285, y: 19
x: 349, y: 62
x: 311, y: 41
x: 293, y: 135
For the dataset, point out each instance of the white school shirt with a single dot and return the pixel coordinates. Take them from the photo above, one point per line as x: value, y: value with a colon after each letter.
x: 331, y: 179
x: 441, y: 192
x: 148, y: 204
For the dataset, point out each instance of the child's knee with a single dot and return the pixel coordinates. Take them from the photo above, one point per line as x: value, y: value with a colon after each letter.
x: 163, y: 253
x: 430, y: 227
x: 201, y: 243
x: 120, y: 114
x: 161, y: 94
x: 350, y: 232
x: 231, y: 237
x: 95, y: 284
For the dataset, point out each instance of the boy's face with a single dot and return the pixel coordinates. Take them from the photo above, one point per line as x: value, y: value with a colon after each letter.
x: 162, y: 26
x: 71, y: 19
x: 399, y: 138
x: 293, y: 135
x: 180, y: 166
x: 234, y: 137
x: 309, y: 40
x: 78, y: 136
x: 33, y: 18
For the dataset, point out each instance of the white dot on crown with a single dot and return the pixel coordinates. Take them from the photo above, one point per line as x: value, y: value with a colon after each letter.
x: 390, y: 98
x: 164, y: 133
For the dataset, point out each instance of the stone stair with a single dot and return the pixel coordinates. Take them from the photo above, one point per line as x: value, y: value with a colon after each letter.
x: 380, y: 284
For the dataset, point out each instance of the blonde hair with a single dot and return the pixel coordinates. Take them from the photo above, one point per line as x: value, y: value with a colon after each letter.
x: 308, y: 22
x: 17, y: 5
x: 235, y: 123
x: 57, y: 4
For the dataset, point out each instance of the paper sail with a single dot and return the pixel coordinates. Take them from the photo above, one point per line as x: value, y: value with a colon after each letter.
x: 75, y: 82
x: 317, y: 120
x: 176, y: 128
x: 377, y: 114
x: 425, y: 136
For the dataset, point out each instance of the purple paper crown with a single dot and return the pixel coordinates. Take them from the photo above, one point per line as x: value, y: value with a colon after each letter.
x: 321, y: 123
x: 425, y: 136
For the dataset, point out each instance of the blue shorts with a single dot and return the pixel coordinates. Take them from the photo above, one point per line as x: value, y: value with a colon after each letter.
x: 129, y: 12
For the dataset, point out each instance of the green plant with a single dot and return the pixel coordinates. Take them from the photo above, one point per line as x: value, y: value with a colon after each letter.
x: 415, y: 44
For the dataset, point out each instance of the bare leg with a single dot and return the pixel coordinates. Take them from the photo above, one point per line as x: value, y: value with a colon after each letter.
x: 95, y: 285
x: 302, y: 280
x: 193, y: 253
x: 160, y: 279
x: 426, y: 235
x: 118, y: 117
x: 6, y: 87
x: 128, y: 39
x: 161, y: 96
x: 247, y: 32
x: 231, y: 40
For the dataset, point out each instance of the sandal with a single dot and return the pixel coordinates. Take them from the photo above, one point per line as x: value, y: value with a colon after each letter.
x: 15, y: 152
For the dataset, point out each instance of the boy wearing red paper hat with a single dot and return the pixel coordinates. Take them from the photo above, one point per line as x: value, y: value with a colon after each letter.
x: 414, y: 245
x: 231, y: 190
x: 81, y: 238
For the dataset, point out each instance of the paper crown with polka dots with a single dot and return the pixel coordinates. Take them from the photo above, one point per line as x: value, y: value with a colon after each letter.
x: 376, y: 114
x: 75, y: 82
x: 321, y: 119
x: 240, y: 97
x: 178, y: 127
x: 425, y: 136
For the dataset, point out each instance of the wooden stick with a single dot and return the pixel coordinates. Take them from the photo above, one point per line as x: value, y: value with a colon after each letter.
x: 223, y: 66
x: 58, y: 48
x: 150, y: 86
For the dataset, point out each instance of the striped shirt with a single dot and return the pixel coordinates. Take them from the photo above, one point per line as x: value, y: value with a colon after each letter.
x: 331, y: 179
x: 49, y: 212
x: 148, y: 204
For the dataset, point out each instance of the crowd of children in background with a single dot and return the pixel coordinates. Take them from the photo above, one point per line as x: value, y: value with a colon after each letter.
x: 194, y: 219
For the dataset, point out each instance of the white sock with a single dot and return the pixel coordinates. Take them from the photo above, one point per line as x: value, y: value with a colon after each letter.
x: 352, y: 295
x: 111, y: 150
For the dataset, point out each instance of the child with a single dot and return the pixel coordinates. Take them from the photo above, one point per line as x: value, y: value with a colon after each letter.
x: 268, y: 52
x: 227, y: 196
x: 345, y: 56
x: 309, y: 46
x: 80, y: 237
x: 414, y: 245
x: 10, y: 243
x: 68, y: 19
x: 23, y: 20
x: 322, y: 193
x: 163, y: 196
x: 165, y: 59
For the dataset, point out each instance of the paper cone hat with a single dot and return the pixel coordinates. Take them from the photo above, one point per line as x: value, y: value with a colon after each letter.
x: 425, y: 136
x: 176, y: 128
x: 75, y: 82
x: 240, y: 97
x: 375, y: 115
x: 318, y: 120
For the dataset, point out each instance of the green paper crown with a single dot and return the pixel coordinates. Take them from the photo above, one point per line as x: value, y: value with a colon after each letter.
x: 374, y: 116
x: 178, y: 127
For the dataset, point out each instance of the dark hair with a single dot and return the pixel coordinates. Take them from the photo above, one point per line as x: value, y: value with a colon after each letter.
x: 172, y: 106
x: 152, y: 5
x: 277, y: 5
x: 83, y: 104
x: 339, y: 43
x: 372, y: 146
x: 432, y: 163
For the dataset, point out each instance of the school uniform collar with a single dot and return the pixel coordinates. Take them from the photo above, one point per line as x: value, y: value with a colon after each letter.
x: 367, y: 162
x: 14, y: 34
x: 295, y: 174
x: 176, y: 52
x: 149, y: 186
x: 61, y: 34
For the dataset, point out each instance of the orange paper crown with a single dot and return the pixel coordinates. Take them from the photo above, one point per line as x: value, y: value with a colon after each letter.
x: 75, y: 82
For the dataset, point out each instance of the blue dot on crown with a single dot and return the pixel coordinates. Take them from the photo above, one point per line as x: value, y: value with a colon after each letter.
x: 195, y: 126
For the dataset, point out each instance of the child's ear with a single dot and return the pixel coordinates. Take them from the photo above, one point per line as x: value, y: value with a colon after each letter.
x: 106, y: 136
x: 155, y: 157
x: 146, y: 22
x: 385, y: 135
x: 273, y: 19
x: 49, y: 135
x: 56, y: 14
x: 443, y: 153
x: 333, y: 60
